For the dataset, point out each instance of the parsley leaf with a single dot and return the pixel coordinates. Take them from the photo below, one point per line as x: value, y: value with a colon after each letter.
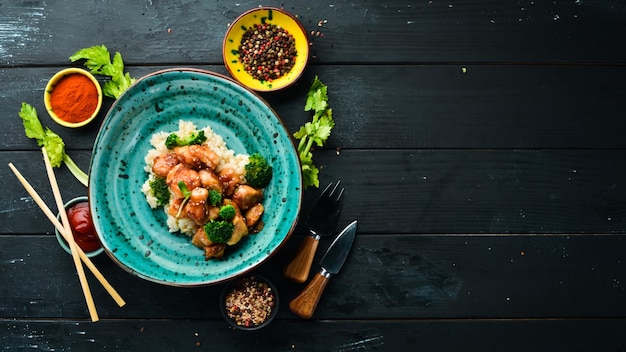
x: 315, y: 131
x: 98, y: 61
x: 317, y: 98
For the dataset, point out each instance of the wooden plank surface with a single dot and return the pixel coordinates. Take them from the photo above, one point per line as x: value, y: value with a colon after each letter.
x: 420, y: 191
x: 386, y: 277
x: 354, y: 31
x: 434, y: 106
x: 411, y: 335
x: 481, y: 147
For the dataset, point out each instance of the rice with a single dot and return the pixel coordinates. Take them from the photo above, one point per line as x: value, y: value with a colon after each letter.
x: 228, y: 159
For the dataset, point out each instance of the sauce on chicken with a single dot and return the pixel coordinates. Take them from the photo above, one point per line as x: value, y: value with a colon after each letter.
x: 191, y: 175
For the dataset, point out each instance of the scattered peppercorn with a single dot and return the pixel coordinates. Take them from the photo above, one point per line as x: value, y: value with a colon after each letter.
x: 249, y: 302
x: 267, y: 51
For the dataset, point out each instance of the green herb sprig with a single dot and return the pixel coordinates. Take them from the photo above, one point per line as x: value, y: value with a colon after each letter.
x: 316, y: 131
x: 186, y: 194
x: 98, y: 61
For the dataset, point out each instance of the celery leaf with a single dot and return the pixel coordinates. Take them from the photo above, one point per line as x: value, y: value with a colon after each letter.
x: 55, y: 147
x: 316, y: 131
x: 98, y: 61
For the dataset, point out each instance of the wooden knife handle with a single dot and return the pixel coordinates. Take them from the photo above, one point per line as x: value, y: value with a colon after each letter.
x: 300, y: 266
x: 305, y: 303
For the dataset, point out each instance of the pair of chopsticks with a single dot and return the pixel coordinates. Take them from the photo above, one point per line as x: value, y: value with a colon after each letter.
x: 66, y: 231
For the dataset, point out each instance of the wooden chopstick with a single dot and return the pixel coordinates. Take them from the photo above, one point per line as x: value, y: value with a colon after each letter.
x: 70, y: 240
x: 114, y: 294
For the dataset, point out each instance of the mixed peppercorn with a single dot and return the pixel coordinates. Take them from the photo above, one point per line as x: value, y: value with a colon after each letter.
x: 249, y: 302
x: 267, y: 51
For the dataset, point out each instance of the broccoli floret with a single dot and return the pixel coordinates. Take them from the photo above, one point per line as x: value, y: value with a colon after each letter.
x: 227, y: 212
x: 215, y: 197
x: 160, y: 191
x: 258, y: 171
x: 219, y: 231
x: 173, y: 140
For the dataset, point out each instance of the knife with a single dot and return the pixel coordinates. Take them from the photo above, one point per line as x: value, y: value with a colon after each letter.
x: 305, y: 303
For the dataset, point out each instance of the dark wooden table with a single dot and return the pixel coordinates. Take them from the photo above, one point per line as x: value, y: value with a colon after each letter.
x: 482, y: 148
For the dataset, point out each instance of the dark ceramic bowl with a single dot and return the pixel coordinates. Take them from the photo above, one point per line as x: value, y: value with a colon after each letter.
x: 60, y: 238
x: 249, y: 302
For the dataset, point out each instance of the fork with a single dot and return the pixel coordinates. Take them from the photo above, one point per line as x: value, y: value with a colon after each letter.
x: 321, y: 221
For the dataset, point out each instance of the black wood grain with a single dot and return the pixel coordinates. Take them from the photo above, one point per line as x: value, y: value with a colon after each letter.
x: 385, y: 277
x: 438, y: 106
x: 361, y: 31
x: 481, y: 147
x: 413, y: 335
x: 418, y: 191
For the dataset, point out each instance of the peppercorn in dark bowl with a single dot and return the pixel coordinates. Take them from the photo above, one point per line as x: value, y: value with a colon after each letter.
x: 266, y: 49
x: 249, y: 302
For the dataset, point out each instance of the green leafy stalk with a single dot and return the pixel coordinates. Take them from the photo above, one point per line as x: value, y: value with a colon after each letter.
x: 75, y: 170
x: 98, y: 61
x: 55, y: 147
x: 315, y: 132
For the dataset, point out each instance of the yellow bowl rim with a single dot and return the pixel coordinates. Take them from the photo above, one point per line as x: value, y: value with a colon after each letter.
x: 263, y: 87
x: 54, y: 80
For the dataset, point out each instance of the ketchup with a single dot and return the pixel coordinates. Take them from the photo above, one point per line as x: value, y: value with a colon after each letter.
x: 82, y: 226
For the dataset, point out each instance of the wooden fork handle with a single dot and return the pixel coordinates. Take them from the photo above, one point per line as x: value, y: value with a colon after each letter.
x: 305, y: 303
x: 300, y: 266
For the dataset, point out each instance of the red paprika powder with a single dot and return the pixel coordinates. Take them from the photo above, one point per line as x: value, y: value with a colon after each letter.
x: 74, y: 98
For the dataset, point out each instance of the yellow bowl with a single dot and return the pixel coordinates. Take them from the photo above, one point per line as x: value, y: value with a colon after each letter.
x: 74, y: 95
x: 271, y: 16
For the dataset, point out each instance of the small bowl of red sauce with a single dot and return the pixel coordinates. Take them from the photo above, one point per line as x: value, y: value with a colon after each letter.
x: 73, y: 97
x: 249, y: 302
x: 85, y: 235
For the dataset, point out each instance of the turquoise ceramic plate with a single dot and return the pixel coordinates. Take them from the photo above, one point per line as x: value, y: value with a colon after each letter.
x: 135, y: 235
